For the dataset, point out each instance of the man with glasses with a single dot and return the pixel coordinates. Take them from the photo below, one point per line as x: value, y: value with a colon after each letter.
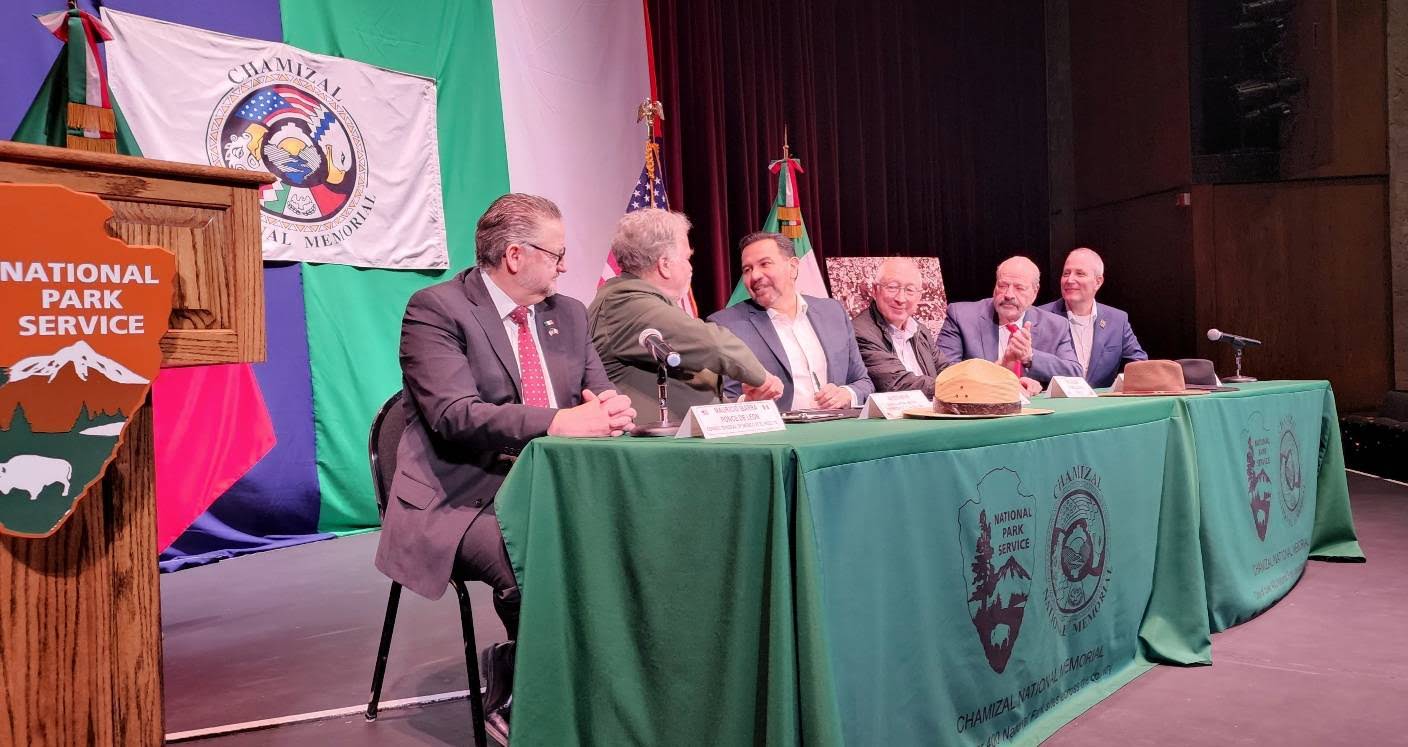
x: 1008, y: 330
x: 490, y: 360
x: 898, y: 350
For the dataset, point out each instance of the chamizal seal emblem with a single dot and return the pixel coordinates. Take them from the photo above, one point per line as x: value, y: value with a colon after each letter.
x: 995, y: 535
x: 81, y: 318
x: 295, y: 129
x: 1291, y: 486
x: 1077, y: 570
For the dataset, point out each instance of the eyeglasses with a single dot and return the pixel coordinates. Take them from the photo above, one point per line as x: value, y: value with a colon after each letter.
x: 895, y: 288
x: 556, y: 256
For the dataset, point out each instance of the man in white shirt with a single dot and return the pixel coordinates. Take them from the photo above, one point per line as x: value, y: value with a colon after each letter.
x: 1101, y: 334
x: 806, y: 341
x: 898, y: 350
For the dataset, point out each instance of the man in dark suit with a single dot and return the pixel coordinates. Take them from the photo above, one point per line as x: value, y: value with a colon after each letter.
x: 1006, y: 328
x: 805, y: 341
x: 1100, y: 334
x: 898, y: 350
x: 490, y: 360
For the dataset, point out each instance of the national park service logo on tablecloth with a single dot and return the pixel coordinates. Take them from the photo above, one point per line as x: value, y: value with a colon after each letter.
x: 995, y: 534
x: 1258, y: 463
x: 1290, y: 487
x: 81, y: 317
x: 1076, y: 551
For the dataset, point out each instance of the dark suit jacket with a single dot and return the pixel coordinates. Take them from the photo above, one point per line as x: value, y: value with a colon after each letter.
x: 1111, y: 346
x: 970, y: 331
x: 833, y: 329
x: 464, y: 416
x: 878, y: 351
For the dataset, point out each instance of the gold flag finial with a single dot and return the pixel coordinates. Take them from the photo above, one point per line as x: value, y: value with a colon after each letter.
x: 648, y: 112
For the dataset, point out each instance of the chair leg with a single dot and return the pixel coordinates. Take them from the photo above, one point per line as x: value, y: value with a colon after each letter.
x: 393, y: 600
x: 471, y: 659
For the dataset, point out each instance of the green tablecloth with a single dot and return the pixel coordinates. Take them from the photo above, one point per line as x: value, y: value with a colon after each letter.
x: 835, y: 583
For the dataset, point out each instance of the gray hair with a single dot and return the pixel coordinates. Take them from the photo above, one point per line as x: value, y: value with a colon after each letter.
x: 512, y: 219
x: 644, y: 236
x: 1099, y: 263
x: 891, y: 262
x: 784, y: 244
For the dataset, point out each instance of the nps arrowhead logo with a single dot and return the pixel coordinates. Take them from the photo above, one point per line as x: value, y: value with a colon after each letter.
x: 81, y: 318
x: 995, y: 532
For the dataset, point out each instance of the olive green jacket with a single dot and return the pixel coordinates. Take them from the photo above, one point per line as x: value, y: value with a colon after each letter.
x: 623, y: 307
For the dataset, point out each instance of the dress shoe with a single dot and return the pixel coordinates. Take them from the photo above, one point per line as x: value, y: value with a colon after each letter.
x: 496, y: 723
x: 496, y: 667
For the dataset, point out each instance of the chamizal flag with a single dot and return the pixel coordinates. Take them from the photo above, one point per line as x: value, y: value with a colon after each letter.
x: 786, y: 219
x: 353, y: 147
x: 73, y: 109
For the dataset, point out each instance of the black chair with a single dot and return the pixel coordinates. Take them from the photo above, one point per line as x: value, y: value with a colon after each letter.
x: 385, y: 436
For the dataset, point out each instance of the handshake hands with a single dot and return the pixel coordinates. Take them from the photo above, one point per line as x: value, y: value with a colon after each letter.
x: 605, y: 414
x: 771, y: 388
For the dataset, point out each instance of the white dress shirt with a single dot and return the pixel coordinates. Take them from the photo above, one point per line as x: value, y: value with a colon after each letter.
x: 806, y: 359
x: 505, y: 306
x: 1003, y: 336
x: 1083, y: 336
x: 904, y: 350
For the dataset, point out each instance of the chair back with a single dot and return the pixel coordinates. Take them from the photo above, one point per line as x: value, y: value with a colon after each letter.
x: 387, y: 426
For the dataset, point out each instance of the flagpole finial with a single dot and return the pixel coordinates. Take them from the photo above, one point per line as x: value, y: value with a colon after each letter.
x: 648, y: 112
x: 786, y: 149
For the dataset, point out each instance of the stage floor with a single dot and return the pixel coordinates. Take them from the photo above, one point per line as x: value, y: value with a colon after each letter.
x: 295, y: 631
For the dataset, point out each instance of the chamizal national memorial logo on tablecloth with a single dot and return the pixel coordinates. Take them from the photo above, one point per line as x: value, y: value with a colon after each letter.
x: 995, y: 533
x: 81, y: 318
x: 285, y: 119
x: 1290, y: 486
x: 1077, y: 572
x: 1258, y: 463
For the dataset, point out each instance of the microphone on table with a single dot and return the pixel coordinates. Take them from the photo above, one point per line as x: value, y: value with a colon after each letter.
x: 1235, y: 340
x: 651, y: 339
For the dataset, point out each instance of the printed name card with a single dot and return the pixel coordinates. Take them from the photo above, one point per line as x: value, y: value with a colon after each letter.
x: 731, y: 419
x: 891, y: 405
x: 1069, y: 386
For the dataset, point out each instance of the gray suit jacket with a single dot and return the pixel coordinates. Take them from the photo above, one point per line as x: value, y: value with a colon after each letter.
x: 464, y: 417
x: 844, y: 366
x: 1111, y: 346
x: 878, y: 351
x: 970, y: 331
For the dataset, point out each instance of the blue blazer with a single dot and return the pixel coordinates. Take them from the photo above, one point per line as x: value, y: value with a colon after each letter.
x: 1112, y: 345
x: 844, y: 366
x: 970, y: 331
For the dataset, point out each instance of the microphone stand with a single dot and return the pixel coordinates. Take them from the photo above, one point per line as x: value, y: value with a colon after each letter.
x: 1237, y: 357
x: 664, y: 427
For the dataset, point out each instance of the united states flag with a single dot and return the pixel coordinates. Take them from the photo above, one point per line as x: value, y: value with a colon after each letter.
x: 649, y: 192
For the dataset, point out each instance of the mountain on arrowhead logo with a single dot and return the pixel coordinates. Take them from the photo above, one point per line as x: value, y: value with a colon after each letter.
x: 81, y: 320
x: 995, y: 533
x: 104, y: 387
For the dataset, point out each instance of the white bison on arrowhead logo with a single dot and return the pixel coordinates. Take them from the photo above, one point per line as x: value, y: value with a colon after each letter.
x: 32, y: 473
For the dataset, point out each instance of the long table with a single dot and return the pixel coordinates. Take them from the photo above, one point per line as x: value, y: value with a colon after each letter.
x: 907, y: 582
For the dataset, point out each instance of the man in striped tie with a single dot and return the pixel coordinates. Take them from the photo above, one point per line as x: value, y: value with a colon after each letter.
x: 490, y: 360
x: 1008, y: 330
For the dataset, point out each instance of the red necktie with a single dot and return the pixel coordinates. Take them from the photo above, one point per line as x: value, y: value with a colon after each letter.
x: 530, y: 367
x: 1016, y: 366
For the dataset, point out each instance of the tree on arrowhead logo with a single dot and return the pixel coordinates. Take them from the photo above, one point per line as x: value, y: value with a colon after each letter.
x: 995, y: 532
x: 81, y: 319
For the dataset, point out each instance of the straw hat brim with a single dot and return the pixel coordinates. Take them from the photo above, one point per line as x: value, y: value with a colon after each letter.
x: 930, y: 414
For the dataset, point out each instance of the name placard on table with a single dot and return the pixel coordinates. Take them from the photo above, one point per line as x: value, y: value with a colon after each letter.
x: 1069, y: 386
x: 731, y: 419
x: 891, y: 405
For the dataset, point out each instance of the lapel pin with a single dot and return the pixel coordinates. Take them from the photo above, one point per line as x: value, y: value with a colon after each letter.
x: 551, y: 325
x: 1102, y: 324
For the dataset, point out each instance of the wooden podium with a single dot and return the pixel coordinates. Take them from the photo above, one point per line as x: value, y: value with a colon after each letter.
x: 80, y: 611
